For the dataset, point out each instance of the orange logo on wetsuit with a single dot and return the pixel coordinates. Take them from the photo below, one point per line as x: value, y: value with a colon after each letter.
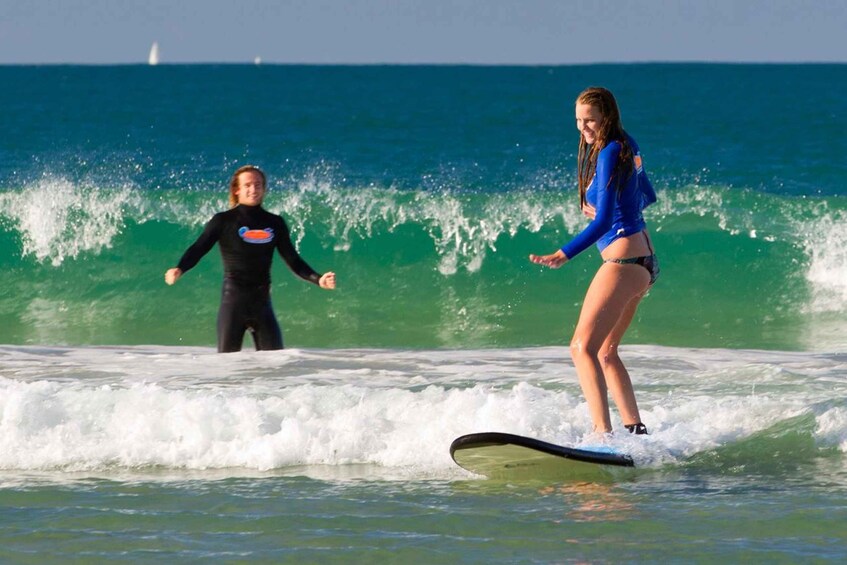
x: 637, y: 160
x: 256, y: 236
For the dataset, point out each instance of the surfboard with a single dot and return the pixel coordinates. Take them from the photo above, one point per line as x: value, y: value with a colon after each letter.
x: 508, y: 456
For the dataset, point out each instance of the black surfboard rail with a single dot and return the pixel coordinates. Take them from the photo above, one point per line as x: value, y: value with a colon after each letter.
x: 485, y: 439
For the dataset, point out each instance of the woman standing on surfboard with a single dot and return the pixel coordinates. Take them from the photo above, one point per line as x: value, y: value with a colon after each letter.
x: 613, y: 191
x: 248, y: 235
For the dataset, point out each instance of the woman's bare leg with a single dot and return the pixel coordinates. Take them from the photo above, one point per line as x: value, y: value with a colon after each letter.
x: 614, y: 371
x: 614, y: 287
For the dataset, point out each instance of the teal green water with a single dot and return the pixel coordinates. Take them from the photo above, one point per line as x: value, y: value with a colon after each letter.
x: 424, y: 188
x: 739, y: 269
x: 300, y: 520
x: 124, y: 437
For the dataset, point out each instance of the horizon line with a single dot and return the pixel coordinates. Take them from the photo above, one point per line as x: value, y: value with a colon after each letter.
x: 425, y: 64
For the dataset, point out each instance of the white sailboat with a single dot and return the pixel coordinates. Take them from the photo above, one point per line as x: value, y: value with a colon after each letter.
x: 153, y: 58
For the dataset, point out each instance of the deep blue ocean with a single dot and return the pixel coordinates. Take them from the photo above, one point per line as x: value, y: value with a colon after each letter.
x: 124, y: 436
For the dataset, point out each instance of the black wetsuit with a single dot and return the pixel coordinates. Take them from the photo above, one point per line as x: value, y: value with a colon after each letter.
x: 247, y: 236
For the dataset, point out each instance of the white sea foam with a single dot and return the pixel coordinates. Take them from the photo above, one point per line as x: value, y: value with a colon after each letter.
x: 825, y: 242
x: 58, y: 219
x: 100, y: 409
x: 462, y: 229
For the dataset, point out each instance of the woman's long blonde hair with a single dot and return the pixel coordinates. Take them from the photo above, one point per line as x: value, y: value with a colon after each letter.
x: 610, y: 130
x: 233, y: 183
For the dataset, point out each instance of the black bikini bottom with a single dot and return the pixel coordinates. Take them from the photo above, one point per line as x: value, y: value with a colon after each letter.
x: 649, y: 262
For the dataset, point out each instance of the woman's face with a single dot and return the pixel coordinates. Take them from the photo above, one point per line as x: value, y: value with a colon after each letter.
x: 251, y: 188
x: 588, y: 122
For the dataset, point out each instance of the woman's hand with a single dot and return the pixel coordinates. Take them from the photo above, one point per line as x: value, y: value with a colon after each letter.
x: 327, y: 281
x: 172, y: 275
x: 554, y: 260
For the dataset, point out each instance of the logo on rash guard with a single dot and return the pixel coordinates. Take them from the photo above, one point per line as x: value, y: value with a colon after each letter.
x: 256, y: 236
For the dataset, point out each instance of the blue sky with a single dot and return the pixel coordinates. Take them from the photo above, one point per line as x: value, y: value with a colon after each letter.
x: 422, y: 31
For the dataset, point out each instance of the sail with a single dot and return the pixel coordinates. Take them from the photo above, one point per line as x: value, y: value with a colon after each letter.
x: 153, y: 59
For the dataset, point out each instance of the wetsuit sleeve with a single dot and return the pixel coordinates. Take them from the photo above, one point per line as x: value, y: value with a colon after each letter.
x: 296, y: 263
x: 605, y: 206
x: 211, y: 234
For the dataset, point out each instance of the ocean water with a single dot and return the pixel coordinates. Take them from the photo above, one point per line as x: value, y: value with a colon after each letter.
x: 123, y: 436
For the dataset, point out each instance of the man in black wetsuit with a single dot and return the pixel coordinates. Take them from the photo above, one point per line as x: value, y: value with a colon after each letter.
x: 248, y: 235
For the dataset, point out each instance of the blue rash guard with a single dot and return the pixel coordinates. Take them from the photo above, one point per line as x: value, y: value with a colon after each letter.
x: 617, y: 214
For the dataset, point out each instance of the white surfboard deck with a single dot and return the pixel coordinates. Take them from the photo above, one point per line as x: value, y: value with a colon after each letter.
x: 501, y: 455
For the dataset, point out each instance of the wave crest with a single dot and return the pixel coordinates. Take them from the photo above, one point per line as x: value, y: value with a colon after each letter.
x: 58, y: 219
